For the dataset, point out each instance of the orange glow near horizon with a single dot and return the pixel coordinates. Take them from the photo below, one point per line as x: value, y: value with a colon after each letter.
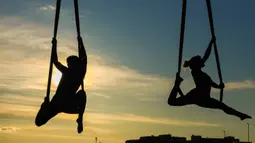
x: 56, y: 77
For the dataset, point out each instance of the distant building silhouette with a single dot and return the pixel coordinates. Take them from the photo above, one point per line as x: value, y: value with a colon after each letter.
x: 159, y: 139
x: 194, y: 139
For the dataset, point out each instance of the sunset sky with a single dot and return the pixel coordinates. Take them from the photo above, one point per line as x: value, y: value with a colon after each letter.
x: 132, y: 48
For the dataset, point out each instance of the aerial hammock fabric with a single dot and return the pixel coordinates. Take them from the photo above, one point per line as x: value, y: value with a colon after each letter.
x: 58, y: 5
x: 209, y: 9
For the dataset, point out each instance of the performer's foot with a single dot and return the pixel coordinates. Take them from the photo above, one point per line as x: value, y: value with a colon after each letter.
x: 80, y: 126
x: 244, y: 116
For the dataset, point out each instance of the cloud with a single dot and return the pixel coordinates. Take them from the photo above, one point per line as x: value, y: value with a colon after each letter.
x: 17, y: 110
x: 23, y: 45
x: 9, y: 129
x: 55, y: 135
x: 20, y: 99
x: 237, y: 85
x: 105, y: 77
x: 14, y: 111
x: 31, y: 44
x: 146, y: 119
x: 47, y: 8
x: 247, y: 84
x: 102, y: 95
x: 63, y: 129
x: 98, y: 130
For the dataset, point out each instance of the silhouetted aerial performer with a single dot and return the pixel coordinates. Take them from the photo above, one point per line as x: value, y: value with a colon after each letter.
x: 201, y: 94
x: 66, y: 98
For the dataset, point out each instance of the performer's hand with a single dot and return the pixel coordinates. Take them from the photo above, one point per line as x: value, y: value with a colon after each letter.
x: 222, y: 85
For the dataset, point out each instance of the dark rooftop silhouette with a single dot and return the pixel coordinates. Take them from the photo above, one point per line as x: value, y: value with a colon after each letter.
x: 168, y: 138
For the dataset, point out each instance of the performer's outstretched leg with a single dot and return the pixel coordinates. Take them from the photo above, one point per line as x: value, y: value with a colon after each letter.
x: 82, y: 100
x: 215, y: 104
x: 45, y: 113
x: 75, y: 104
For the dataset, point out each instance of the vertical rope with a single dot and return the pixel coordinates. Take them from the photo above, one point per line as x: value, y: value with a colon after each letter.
x: 54, y: 45
x: 184, y: 5
x: 209, y: 9
x: 77, y: 20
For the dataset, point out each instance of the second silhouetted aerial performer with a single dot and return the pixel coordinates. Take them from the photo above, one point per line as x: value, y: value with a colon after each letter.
x: 200, y: 95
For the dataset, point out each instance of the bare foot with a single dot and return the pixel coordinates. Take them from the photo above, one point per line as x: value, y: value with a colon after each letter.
x: 244, y: 116
x: 80, y: 126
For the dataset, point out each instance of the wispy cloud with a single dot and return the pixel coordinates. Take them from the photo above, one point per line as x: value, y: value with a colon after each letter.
x: 47, y: 8
x: 9, y: 129
x: 99, y: 130
x: 102, y: 95
x: 52, y: 128
x: 100, y: 118
x: 31, y: 44
x: 247, y: 84
x: 237, y: 85
x: 147, y: 119
x: 52, y: 136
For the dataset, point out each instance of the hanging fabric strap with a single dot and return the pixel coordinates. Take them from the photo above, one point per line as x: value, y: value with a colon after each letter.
x: 77, y: 20
x: 209, y: 9
x: 54, y: 45
x: 184, y: 4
